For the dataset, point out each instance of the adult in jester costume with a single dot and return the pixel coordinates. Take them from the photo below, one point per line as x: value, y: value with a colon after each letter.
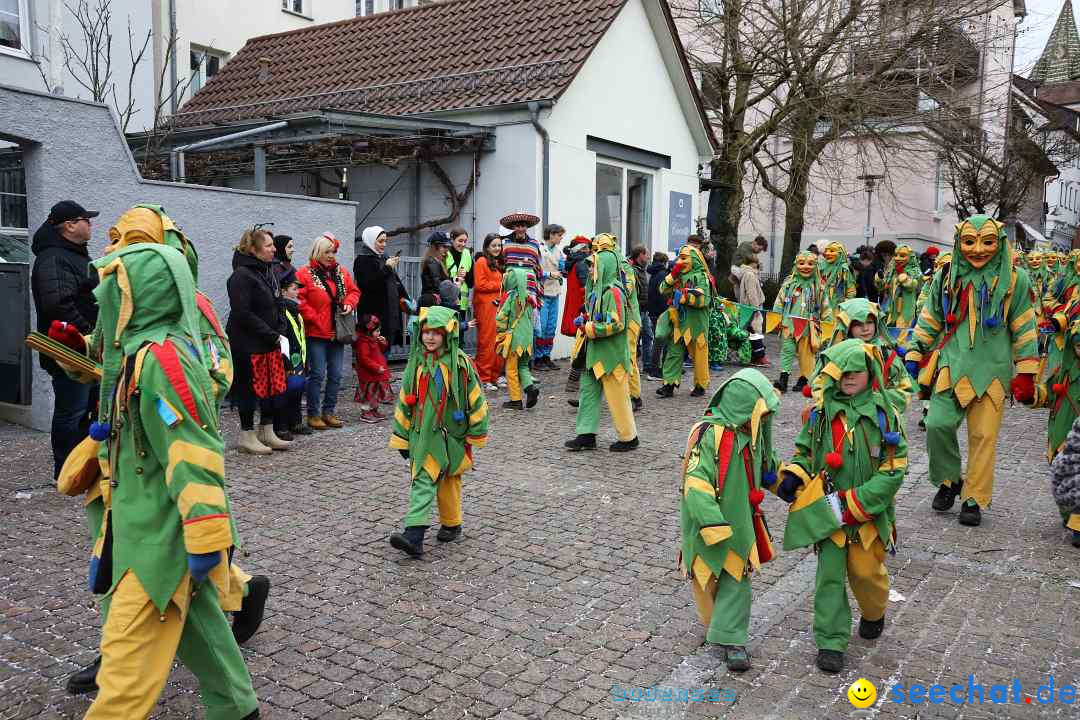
x: 440, y: 418
x: 899, y: 287
x: 163, y: 550
x: 837, y: 279
x: 850, y: 460
x: 607, y: 354
x: 799, y: 302
x: 628, y: 280
x: 685, y: 325
x: 977, y: 325
x: 1061, y: 393
x: 148, y: 223
x: 1036, y: 267
x: 1063, y: 289
x: 729, y: 459
x: 514, y: 337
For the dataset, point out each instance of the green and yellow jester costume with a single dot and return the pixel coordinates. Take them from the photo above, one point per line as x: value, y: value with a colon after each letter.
x: 899, y: 288
x: 838, y: 281
x: 729, y: 459
x: 978, y: 323
x: 685, y: 325
x: 607, y: 353
x: 850, y: 459
x: 628, y: 280
x: 799, y: 302
x: 514, y: 336
x: 167, y: 526
x: 1037, y: 272
x: 440, y: 418
x: 725, y: 335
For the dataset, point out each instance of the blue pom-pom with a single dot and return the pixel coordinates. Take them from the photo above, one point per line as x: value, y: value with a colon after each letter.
x: 993, y: 321
x: 676, y: 298
x: 901, y: 351
x: 891, y: 438
x: 768, y: 477
x: 813, y: 417
x: 458, y: 415
x: 99, y: 431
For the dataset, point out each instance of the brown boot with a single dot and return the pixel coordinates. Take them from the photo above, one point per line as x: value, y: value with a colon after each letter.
x: 316, y: 423
x: 332, y: 421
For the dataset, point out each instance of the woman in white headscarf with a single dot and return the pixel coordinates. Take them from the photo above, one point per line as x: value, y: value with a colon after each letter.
x: 380, y: 288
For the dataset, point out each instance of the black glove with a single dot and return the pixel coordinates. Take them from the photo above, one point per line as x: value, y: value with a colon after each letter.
x: 404, y: 453
x: 788, y: 485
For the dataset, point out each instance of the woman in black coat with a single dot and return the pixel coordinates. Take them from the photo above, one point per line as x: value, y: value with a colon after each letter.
x: 433, y: 270
x: 254, y: 330
x: 380, y: 288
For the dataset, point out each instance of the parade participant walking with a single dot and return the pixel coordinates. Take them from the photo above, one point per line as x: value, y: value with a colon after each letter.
x: 381, y: 291
x: 850, y: 460
x: 976, y: 328
x: 837, y: 279
x: 550, y: 289
x: 255, y: 330
x: 328, y: 297
x: 62, y: 288
x: 729, y: 459
x: 684, y: 327
x: 607, y: 354
x: 441, y: 417
x: 578, y: 269
x: 487, y: 289
x: 628, y: 278
x: 941, y: 260
x: 861, y: 319
x: 514, y: 338
x: 799, y: 301
x: 167, y: 565
x: 899, y: 287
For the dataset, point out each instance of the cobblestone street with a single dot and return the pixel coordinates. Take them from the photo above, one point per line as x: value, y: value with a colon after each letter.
x: 564, y: 586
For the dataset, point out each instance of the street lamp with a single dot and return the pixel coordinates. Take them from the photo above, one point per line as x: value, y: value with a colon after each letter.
x: 871, y: 181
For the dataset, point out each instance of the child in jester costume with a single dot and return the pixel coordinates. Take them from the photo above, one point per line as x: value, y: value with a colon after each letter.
x: 862, y: 320
x: 147, y: 223
x: 850, y: 460
x: 899, y: 287
x: 607, y: 354
x: 725, y: 336
x: 167, y: 529
x: 684, y: 327
x: 978, y: 323
x: 729, y: 458
x: 837, y: 278
x: 441, y: 417
x: 799, y: 301
x: 514, y: 337
x: 628, y: 280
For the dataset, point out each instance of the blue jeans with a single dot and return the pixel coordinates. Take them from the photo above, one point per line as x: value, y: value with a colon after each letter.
x: 324, y: 363
x: 654, y: 363
x: 545, y: 330
x: 646, y: 340
x: 70, y: 417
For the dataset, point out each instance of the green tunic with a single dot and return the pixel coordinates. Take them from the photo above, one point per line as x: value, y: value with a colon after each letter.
x: 606, y: 352
x: 691, y: 291
x: 900, y: 290
x: 1061, y: 390
x: 838, y: 282
x: 514, y: 320
x: 799, y: 297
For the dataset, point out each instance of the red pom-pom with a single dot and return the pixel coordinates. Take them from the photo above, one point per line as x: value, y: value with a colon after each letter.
x: 834, y: 460
x: 950, y: 319
x: 756, y: 496
x: 806, y: 391
x: 1059, y: 388
x: 410, y: 399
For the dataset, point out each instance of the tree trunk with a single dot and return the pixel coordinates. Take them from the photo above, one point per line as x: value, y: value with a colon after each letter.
x: 726, y: 238
x: 794, y: 220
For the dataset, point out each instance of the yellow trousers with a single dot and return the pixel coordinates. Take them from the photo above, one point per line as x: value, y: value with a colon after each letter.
x: 448, y: 497
x: 632, y: 334
x: 673, y: 361
x: 869, y: 580
x: 138, y: 645
x: 983, y: 423
x: 618, y: 402
x: 517, y: 375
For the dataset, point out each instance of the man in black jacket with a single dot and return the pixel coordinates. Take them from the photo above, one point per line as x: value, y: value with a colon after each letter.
x: 656, y: 306
x: 62, y: 286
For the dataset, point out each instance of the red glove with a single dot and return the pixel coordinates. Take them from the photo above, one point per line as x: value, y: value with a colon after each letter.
x: 1022, y: 388
x: 680, y: 268
x: 848, y: 518
x: 67, y: 334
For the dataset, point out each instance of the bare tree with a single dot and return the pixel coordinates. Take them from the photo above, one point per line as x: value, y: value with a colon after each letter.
x: 88, y: 55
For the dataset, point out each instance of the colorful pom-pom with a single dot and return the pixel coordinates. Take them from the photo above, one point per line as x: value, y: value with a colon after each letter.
x: 950, y: 318
x: 410, y: 399
x: 1059, y: 388
x: 99, y: 431
x: 834, y: 460
x: 993, y: 321
x: 891, y: 438
x: 458, y: 415
x: 901, y: 351
x: 756, y: 496
x: 806, y: 391
x: 768, y: 477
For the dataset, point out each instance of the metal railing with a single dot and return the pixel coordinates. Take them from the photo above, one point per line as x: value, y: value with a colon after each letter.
x: 408, y: 270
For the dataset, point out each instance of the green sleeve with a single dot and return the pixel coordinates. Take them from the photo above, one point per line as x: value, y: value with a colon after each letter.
x: 930, y: 323
x: 403, y: 411
x: 668, y: 284
x: 699, y: 488
x: 876, y: 495
x: 1022, y: 326
x: 476, y: 435
x: 614, y: 322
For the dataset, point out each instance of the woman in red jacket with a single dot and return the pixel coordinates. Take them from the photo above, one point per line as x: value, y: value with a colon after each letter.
x: 487, y: 289
x: 327, y: 290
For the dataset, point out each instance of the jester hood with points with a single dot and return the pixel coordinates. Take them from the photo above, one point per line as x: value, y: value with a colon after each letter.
x: 729, y: 458
x: 800, y: 296
x: 690, y: 294
x: 514, y: 320
x: 1061, y: 390
x: 837, y: 278
x: 1066, y: 286
x: 900, y: 287
x: 607, y: 314
x: 898, y: 385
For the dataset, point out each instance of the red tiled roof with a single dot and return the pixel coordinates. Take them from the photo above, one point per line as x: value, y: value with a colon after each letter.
x: 444, y: 56
x: 1060, y: 93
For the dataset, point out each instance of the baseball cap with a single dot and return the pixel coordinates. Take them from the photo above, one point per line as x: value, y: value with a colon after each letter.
x: 69, y: 210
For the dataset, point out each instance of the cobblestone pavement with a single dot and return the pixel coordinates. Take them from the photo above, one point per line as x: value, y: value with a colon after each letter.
x: 564, y: 586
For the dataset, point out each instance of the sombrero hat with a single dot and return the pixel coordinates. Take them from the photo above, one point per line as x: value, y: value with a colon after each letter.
x: 528, y: 218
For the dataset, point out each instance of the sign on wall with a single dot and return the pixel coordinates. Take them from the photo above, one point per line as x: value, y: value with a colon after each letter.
x: 679, y: 219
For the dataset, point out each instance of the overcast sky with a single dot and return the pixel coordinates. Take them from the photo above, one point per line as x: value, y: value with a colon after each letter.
x: 1034, y: 31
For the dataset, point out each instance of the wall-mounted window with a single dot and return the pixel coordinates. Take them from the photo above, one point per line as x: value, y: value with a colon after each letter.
x: 296, y: 6
x: 205, y: 64
x: 624, y: 203
x: 365, y: 8
x: 14, y: 24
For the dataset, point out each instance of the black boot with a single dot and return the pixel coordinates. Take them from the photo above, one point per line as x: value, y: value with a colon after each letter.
x: 513, y: 405
x: 247, y: 620
x: 871, y: 629
x: 636, y: 403
x: 831, y: 661
x: 300, y: 430
x: 573, y: 402
x: 283, y: 433
x: 1076, y: 538
x: 85, y: 680
x: 922, y: 420
x: 253, y: 716
x: 449, y: 533
x: 946, y: 496
x: 582, y: 442
x: 532, y: 394
x: 573, y: 381
x: 799, y: 384
x: 698, y: 391
x: 736, y: 658
x: 666, y: 391
x: 781, y: 383
x: 411, y: 541
x: 624, y: 445
x: 970, y: 514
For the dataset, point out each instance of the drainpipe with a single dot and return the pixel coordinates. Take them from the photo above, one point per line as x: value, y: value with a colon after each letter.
x: 176, y: 155
x: 173, y: 100
x: 534, y: 117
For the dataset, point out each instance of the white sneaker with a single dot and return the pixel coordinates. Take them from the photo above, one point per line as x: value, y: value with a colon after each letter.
x: 501, y: 382
x: 491, y: 387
